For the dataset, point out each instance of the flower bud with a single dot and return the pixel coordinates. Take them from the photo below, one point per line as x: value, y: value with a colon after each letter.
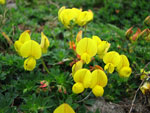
x: 72, y: 45
x: 43, y: 84
x: 79, y: 36
x: 144, y: 33
x: 44, y: 43
x: 129, y: 32
x: 59, y: 88
x: 136, y: 35
x: 147, y: 21
x: 65, y: 91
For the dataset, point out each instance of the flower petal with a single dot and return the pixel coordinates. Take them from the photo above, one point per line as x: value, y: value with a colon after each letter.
x: 17, y: 46
x: 31, y: 48
x: 97, y: 40
x: 109, y: 67
x: 84, y: 17
x: 29, y: 64
x: 98, y: 91
x: 125, y: 72
x: 78, y: 65
x: 25, y: 36
x: 112, y: 57
x: 124, y: 62
x: 83, y: 76
x: 102, y: 48
x: 64, y: 108
x: 86, y: 58
x: 86, y: 45
x: 78, y: 88
x: 44, y: 43
x: 98, y: 78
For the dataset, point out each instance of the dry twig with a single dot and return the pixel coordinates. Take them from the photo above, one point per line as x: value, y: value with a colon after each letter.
x: 138, y: 88
x: 7, y: 38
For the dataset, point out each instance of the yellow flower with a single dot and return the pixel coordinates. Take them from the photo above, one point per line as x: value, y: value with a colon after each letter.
x: 31, y: 49
x: 83, y: 76
x: 111, y: 59
x: 102, y: 48
x: 123, y: 67
x: 78, y: 65
x: 78, y: 88
x: 29, y: 64
x: 2, y: 2
x: 25, y: 36
x: 44, y: 43
x: 64, y: 108
x: 84, y: 17
x: 86, y: 48
x: 68, y: 15
x: 145, y: 88
x: 98, y: 81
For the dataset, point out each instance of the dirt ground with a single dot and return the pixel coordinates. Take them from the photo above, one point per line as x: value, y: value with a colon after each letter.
x: 141, y: 105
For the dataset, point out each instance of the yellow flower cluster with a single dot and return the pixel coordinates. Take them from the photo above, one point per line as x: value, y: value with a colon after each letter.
x: 85, y: 79
x: 30, y: 49
x: 77, y: 16
x: 96, y: 80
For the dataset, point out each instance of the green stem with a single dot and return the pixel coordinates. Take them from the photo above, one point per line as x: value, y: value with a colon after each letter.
x: 84, y: 98
x: 44, y: 65
x: 85, y: 30
x: 71, y: 36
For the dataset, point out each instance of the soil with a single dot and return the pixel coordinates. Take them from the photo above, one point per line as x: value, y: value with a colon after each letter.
x: 141, y: 105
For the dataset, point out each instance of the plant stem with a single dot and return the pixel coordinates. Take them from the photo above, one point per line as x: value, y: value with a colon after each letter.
x: 132, y: 104
x: 84, y: 98
x: 45, y: 67
x: 71, y: 36
x: 85, y: 30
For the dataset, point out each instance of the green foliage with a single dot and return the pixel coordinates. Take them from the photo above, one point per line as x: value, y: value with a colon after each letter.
x: 124, y: 13
x: 20, y: 90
